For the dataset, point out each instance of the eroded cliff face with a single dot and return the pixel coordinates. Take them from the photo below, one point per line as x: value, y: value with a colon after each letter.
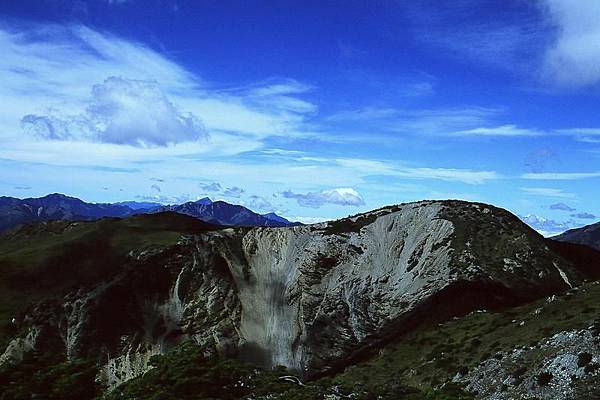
x: 310, y: 298
x: 313, y: 296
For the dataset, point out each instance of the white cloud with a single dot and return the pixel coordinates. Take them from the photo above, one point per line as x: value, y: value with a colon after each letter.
x: 544, y: 226
x: 210, y: 187
x: 338, y: 196
x: 309, y: 220
x: 374, y: 167
x: 549, y: 192
x: 256, y: 203
x: 560, y: 176
x: 503, y: 130
x: 49, y: 71
x: 586, y: 135
x: 443, y: 121
x: 122, y: 111
x: 233, y: 191
x: 162, y: 199
x: 509, y: 39
x: 574, y: 58
x: 584, y: 215
x: 562, y: 207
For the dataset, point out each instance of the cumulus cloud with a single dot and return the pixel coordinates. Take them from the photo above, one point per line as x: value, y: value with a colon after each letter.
x: 338, y: 196
x: 121, y: 111
x: 233, y: 191
x: 561, y: 207
x: 56, y: 83
x: 210, y: 187
x: 574, y: 57
x: 255, y: 202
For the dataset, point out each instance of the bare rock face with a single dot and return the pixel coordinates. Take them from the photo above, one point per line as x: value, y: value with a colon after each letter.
x: 314, y: 296
x: 311, y: 298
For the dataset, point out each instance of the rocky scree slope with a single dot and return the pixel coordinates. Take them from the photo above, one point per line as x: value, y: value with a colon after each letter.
x: 312, y: 298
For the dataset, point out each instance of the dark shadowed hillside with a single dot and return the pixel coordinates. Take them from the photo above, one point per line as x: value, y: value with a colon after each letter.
x: 588, y: 235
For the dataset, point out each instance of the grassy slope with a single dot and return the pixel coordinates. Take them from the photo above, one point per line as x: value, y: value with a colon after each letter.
x: 49, y: 259
x: 435, y: 353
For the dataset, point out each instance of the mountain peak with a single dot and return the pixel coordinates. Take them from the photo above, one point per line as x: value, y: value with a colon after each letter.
x: 276, y: 218
x: 204, y: 201
x: 57, y: 196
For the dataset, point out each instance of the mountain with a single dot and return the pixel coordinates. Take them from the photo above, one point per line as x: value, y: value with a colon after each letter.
x: 276, y: 218
x: 141, y: 205
x: 52, y: 207
x: 425, y: 300
x: 588, y: 235
x: 14, y: 212
x: 222, y: 213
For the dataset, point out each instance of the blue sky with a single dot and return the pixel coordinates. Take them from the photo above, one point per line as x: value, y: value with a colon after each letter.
x: 312, y: 109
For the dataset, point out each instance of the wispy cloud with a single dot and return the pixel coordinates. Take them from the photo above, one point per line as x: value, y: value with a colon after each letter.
x: 443, y: 121
x: 560, y: 176
x: 584, y: 215
x: 549, y: 192
x: 375, y: 167
x: 74, y: 83
x: 503, y: 130
x: 509, y: 42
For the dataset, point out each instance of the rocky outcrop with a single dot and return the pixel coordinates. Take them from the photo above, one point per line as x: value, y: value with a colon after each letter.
x: 564, y: 365
x: 312, y: 298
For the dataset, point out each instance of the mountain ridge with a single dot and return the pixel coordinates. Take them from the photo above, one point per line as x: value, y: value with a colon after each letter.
x: 588, y: 235
x: 56, y: 206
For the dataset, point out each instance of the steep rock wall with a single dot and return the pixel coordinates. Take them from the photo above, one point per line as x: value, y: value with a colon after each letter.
x: 312, y: 296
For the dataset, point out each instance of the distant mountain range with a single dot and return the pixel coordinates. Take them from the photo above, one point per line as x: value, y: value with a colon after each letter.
x: 223, y: 213
x: 14, y: 211
x: 588, y: 235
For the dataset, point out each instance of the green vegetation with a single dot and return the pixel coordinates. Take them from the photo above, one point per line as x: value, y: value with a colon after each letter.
x: 434, y: 353
x: 43, y: 261
x: 48, y: 377
x: 186, y: 373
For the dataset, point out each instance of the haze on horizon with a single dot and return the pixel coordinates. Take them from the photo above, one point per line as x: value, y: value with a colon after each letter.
x: 313, y: 110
